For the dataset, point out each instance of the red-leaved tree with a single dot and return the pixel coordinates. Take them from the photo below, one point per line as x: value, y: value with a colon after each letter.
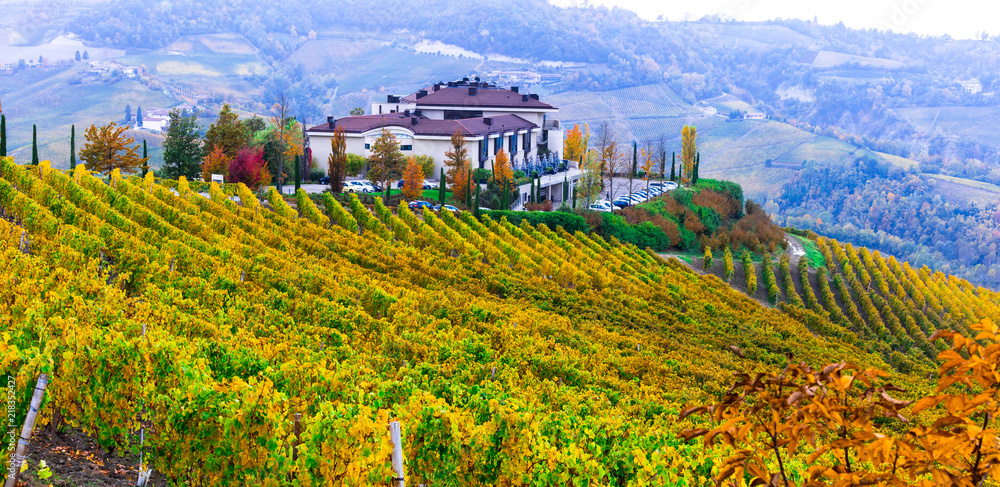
x: 249, y: 168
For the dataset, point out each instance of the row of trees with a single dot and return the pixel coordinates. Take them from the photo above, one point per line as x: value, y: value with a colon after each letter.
x: 251, y: 151
x: 608, y: 159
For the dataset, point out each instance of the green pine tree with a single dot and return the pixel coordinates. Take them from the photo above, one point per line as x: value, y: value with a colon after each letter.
x: 3, y: 135
x: 72, y: 147
x: 574, y: 197
x: 34, y: 145
x: 673, y: 166
x: 565, y: 188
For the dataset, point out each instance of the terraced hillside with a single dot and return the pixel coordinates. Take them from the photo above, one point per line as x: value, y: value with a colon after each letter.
x: 880, y: 304
x: 511, y: 355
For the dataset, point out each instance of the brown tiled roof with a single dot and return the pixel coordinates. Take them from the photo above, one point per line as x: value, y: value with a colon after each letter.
x: 425, y: 126
x: 485, y: 97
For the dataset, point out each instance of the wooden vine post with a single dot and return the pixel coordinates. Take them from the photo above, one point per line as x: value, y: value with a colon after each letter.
x: 29, y: 425
x: 399, y: 479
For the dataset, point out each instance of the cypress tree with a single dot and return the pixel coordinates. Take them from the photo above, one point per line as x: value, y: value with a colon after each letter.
x: 673, y: 166
x: 475, y: 209
x: 145, y: 157
x: 298, y: 177
x: 574, y: 197
x: 635, y: 157
x: 34, y: 145
x: 663, y: 165
x: 3, y: 135
x: 441, y: 185
x: 694, y: 175
x: 468, y: 194
x: 565, y: 188
x: 72, y: 147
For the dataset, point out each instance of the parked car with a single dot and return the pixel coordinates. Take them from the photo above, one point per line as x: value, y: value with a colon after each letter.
x: 324, y: 180
x: 419, y: 204
x: 483, y: 208
x: 358, y: 187
x: 623, y: 202
x: 446, y: 207
x: 378, y: 189
x: 603, y: 206
x: 428, y: 184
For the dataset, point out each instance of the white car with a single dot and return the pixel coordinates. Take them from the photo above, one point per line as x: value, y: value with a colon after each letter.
x: 358, y: 187
x: 603, y: 206
x: 428, y: 184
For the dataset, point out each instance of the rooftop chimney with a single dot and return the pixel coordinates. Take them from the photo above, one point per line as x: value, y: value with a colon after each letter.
x: 533, y: 96
x: 392, y: 99
x: 525, y: 98
x: 421, y: 94
x: 473, y: 90
x: 406, y: 113
x: 413, y: 120
x: 437, y: 86
x: 488, y: 121
x: 514, y: 89
x: 331, y: 122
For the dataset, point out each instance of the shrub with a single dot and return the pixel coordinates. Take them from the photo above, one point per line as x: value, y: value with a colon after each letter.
x: 727, y: 261
x: 707, y: 262
x: 751, y: 273
x: 482, y: 175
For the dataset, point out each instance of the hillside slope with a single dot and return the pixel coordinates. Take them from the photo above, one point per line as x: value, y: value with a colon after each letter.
x: 509, y: 354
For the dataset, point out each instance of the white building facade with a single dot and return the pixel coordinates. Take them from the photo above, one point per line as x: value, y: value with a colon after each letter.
x: 489, y: 117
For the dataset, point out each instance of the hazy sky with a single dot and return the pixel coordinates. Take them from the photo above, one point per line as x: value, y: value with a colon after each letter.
x: 957, y: 18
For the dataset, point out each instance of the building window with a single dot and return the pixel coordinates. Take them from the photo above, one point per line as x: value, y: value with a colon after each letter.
x: 498, y: 144
x: 368, y: 146
x: 513, y: 143
x: 484, y: 150
x: 406, y: 147
x: 527, y: 141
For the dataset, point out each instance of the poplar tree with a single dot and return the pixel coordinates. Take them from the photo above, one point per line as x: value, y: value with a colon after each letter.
x: 673, y: 166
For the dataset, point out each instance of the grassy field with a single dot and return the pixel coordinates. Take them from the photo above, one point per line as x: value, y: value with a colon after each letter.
x: 962, y: 191
x: 826, y: 59
x: 978, y: 123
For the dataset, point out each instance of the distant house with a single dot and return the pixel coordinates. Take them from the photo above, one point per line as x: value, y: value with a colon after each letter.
x: 156, y: 120
x: 754, y: 116
x: 972, y: 86
x: 709, y: 111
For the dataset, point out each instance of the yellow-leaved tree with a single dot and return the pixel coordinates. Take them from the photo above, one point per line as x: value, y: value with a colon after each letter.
x: 576, y: 142
x: 689, y: 135
x: 108, y: 148
x: 647, y: 156
x: 413, y: 179
x: 503, y: 174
